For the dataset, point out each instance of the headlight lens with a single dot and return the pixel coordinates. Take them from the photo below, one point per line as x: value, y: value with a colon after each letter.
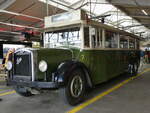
x: 42, y: 66
x: 9, y: 65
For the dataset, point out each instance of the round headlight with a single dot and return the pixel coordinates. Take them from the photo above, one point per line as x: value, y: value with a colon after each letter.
x: 9, y: 65
x: 42, y: 66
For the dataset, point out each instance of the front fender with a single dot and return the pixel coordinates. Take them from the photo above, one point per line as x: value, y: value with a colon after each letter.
x: 64, y: 69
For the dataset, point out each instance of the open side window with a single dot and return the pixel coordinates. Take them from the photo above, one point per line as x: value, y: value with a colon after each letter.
x: 111, y: 39
x: 93, y: 37
x: 86, y: 37
x: 90, y: 37
x: 99, y: 37
x: 137, y: 44
x: 131, y: 43
x: 123, y: 42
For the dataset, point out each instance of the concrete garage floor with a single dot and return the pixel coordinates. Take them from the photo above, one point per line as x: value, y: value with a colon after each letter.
x: 132, y: 97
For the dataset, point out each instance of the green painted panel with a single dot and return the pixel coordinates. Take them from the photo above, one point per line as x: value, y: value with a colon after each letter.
x: 105, y: 64
x: 53, y: 57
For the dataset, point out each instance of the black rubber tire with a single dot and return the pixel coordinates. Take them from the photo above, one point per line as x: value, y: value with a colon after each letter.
x: 24, y: 93
x: 65, y: 92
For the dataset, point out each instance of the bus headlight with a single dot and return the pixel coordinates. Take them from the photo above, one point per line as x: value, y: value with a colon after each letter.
x: 42, y: 66
x: 9, y: 65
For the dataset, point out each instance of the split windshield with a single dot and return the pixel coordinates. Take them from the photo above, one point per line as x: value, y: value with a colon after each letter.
x: 63, y: 38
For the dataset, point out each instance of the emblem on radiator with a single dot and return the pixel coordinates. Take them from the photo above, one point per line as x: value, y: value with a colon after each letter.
x: 19, y: 60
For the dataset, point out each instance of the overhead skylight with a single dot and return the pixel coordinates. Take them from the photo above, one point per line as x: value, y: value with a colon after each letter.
x: 72, y: 1
x: 99, y: 9
x: 115, y: 17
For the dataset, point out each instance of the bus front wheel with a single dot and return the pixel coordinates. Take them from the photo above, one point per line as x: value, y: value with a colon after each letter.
x: 73, y: 92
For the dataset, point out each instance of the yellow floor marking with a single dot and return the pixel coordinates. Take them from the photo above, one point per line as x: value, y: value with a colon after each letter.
x: 85, y: 104
x: 7, y: 93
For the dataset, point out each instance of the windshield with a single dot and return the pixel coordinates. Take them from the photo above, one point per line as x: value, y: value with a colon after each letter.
x: 63, y: 38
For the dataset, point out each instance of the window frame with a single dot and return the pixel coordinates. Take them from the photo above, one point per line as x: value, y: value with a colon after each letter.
x: 100, y: 39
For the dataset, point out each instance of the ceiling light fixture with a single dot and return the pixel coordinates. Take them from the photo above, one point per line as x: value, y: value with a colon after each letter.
x: 144, y: 12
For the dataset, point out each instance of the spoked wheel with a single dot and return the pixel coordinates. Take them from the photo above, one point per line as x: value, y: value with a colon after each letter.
x: 76, y: 86
x: 133, y: 69
x: 22, y: 91
x: 74, y: 91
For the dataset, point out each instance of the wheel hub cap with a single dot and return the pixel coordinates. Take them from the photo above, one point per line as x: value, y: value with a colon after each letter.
x: 76, y: 86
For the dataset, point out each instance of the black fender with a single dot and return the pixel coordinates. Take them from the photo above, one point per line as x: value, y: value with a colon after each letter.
x: 65, y: 68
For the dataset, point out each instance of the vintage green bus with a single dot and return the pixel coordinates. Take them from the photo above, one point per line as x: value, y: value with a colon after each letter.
x: 78, y: 53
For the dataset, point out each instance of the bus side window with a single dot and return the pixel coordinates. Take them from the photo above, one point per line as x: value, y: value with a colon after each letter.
x: 137, y: 44
x: 123, y: 42
x: 107, y: 39
x: 93, y: 41
x: 99, y: 37
x: 111, y: 40
x: 93, y: 38
x: 86, y: 37
x: 131, y: 43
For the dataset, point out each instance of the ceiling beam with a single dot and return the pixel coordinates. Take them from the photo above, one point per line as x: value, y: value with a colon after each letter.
x: 120, y: 4
x: 57, y: 4
x: 134, y: 6
x: 19, y: 14
x: 79, y: 4
x: 10, y: 33
x: 140, y: 16
x: 6, y: 3
x: 142, y: 3
x: 16, y: 25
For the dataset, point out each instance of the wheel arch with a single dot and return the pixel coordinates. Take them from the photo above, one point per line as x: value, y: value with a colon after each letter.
x: 65, y: 68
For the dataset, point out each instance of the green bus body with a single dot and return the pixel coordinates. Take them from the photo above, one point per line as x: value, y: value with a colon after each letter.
x: 102, y: 64
x: 105, y: 64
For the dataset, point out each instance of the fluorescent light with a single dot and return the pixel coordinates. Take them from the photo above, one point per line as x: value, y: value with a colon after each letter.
x: 144, y: 12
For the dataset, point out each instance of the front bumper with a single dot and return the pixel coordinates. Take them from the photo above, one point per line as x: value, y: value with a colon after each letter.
x: 35, y: 84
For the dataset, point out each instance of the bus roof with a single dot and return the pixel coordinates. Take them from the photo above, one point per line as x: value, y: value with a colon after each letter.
x: 78, y: 18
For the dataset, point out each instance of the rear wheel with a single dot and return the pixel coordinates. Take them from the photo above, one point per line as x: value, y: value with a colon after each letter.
x: 23, y: 91
x: 74, y: 91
